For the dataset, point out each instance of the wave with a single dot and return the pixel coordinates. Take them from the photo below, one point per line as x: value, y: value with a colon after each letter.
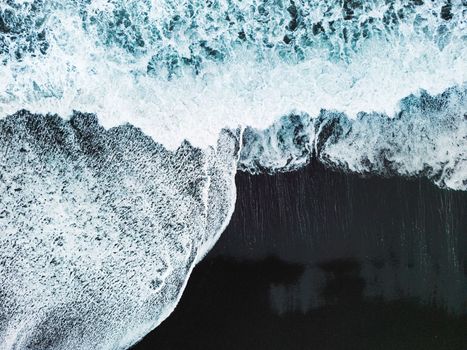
x: 185, y: 70
x: 427, y: 137
x: 105, y: 220
x: 101, y: 229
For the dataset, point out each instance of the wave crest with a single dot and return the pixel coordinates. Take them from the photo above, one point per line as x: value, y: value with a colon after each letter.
x: 428, y: 137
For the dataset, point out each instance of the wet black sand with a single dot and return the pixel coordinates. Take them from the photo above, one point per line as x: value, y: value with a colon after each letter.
x: 317, y: 259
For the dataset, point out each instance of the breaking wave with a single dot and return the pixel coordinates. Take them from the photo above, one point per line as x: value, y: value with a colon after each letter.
x: 186, y: 69
x: 102, y: 220
x: 427, y: 137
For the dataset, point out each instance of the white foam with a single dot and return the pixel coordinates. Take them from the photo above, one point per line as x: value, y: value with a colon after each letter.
x: 100, y: 230
x: 80, y: 73
x: 103, y: 228
x: 428, y: 138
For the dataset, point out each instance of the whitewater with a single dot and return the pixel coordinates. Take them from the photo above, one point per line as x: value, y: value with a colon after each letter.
x: 123, y: 124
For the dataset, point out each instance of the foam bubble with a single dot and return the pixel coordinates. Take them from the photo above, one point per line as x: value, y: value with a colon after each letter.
x: 101, y: 229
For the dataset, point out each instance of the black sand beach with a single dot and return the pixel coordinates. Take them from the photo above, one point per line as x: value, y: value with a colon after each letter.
x: 317, y: 259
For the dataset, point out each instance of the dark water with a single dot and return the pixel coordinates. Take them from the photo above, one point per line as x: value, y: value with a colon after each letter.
x: 316, y: 259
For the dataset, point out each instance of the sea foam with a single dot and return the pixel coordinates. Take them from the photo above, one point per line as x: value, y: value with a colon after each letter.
x: 100, y: 229
x: 104, y: 215
x: 185, y: 70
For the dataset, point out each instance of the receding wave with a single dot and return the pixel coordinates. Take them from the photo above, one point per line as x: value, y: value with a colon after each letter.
x: 101, y: 229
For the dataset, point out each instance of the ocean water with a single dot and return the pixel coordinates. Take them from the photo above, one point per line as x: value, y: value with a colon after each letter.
x: 123, y: 124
